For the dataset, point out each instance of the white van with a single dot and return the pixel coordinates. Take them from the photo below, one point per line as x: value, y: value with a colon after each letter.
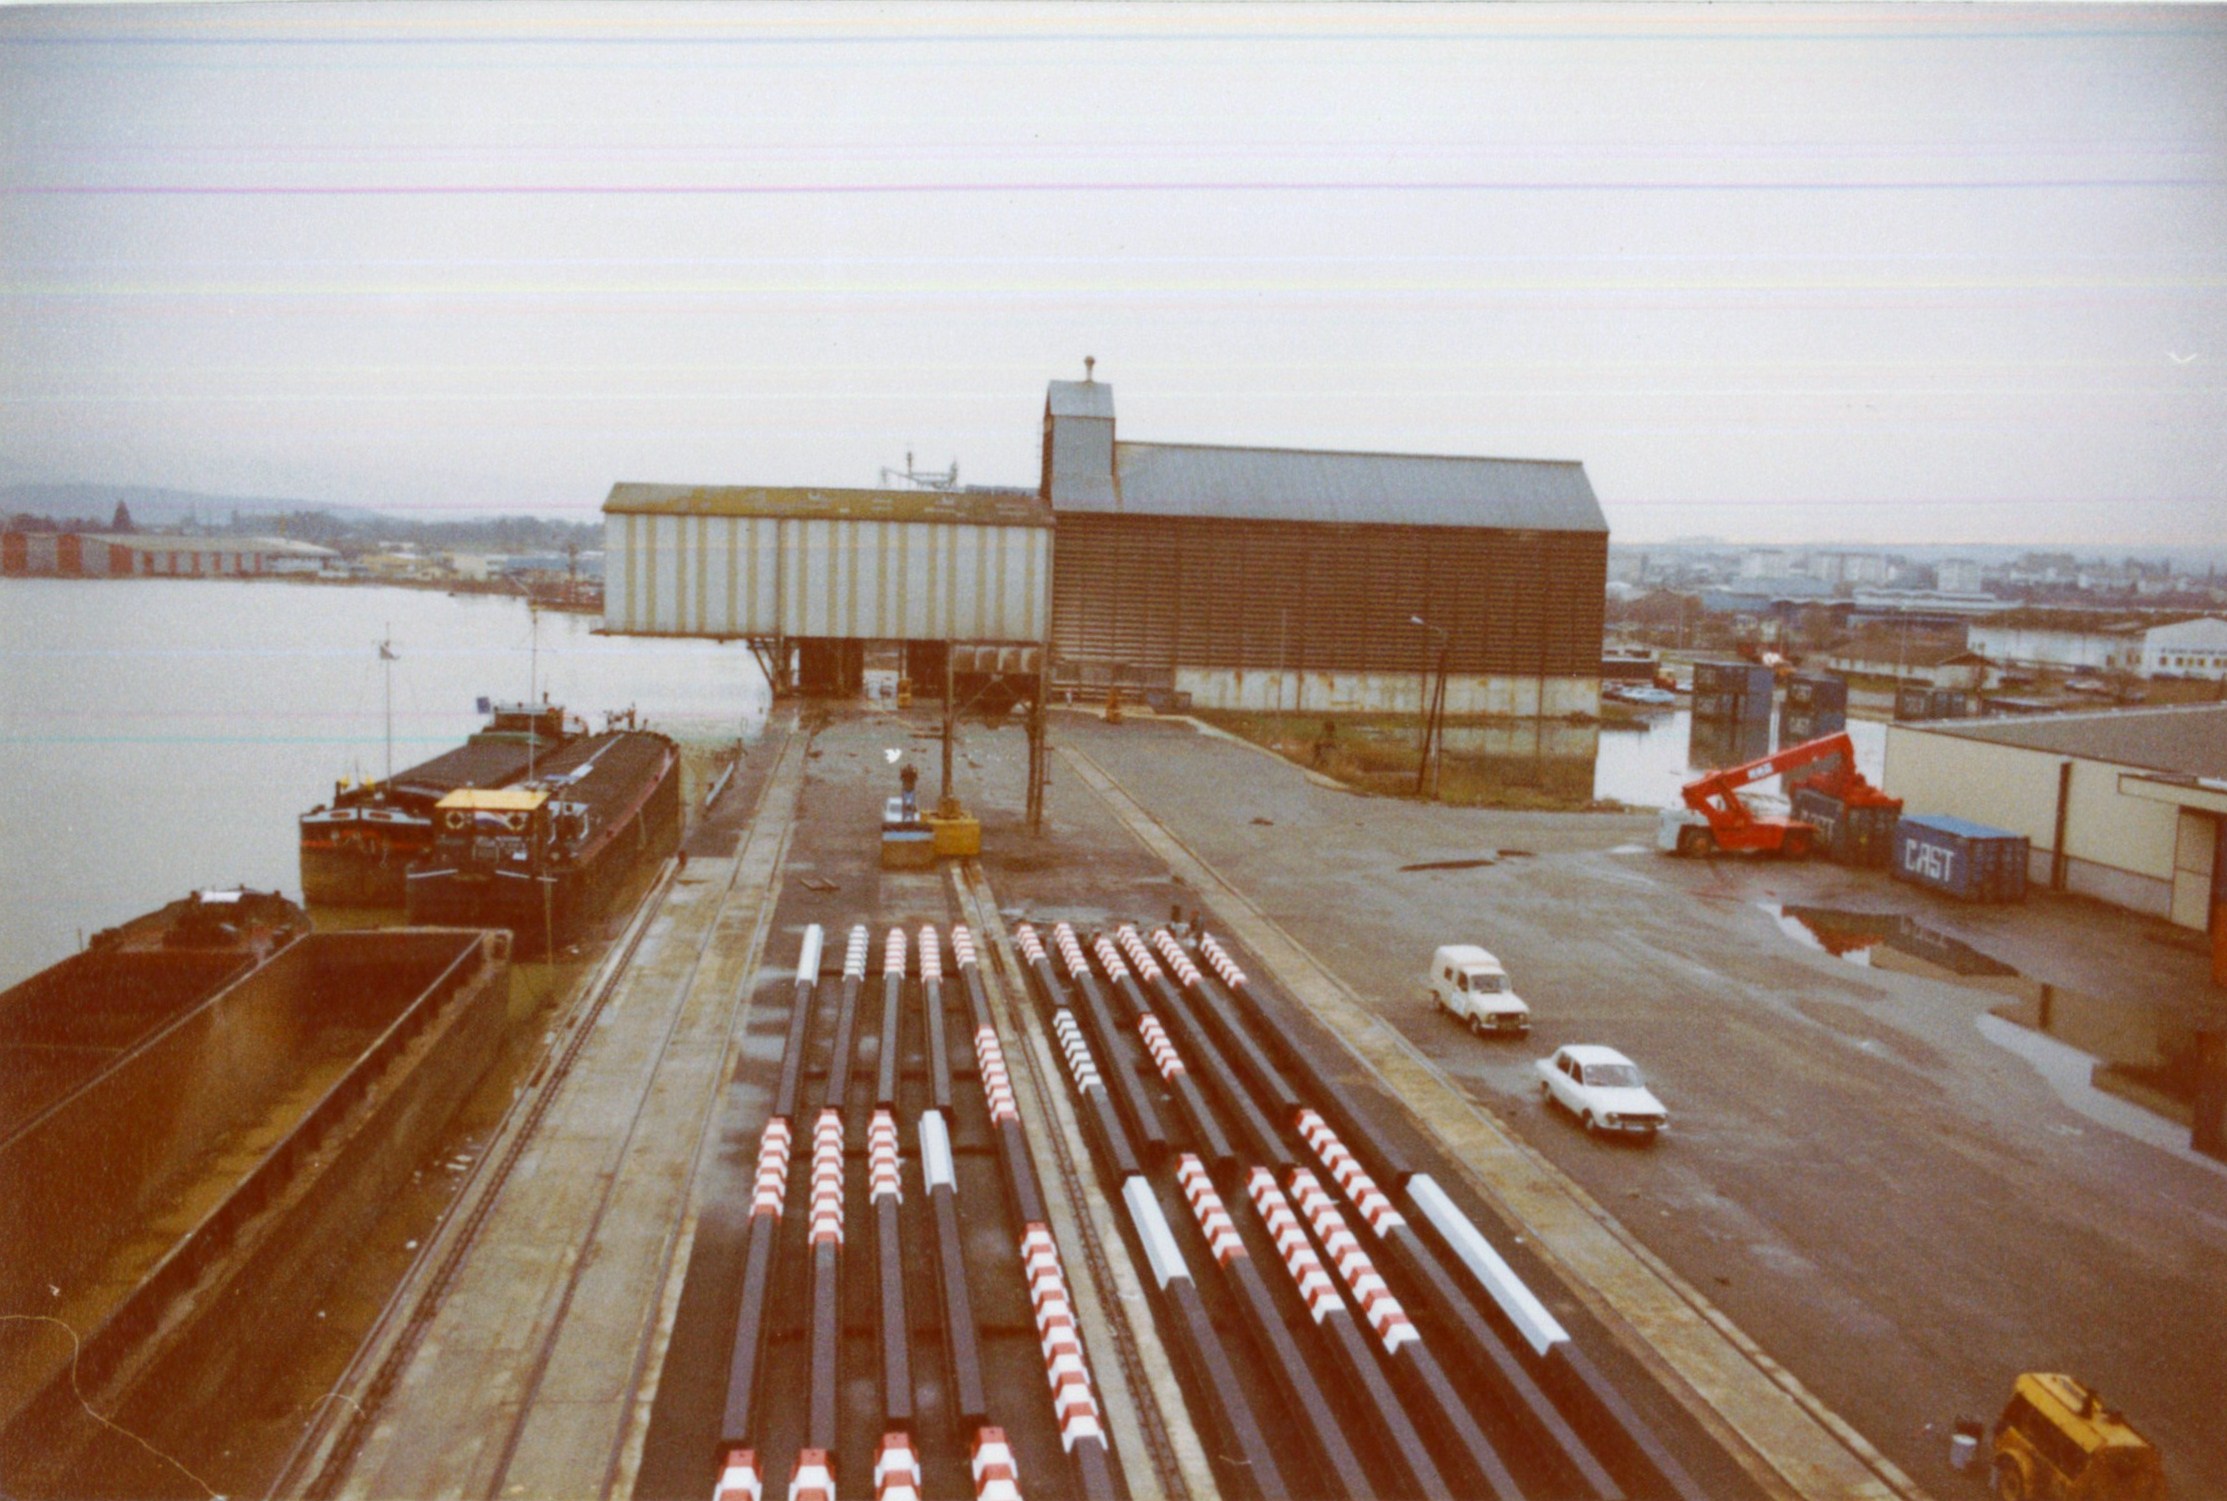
x: 1468, y: 983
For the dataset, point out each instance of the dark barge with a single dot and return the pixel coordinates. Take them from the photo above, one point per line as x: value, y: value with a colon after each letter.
x: 202, y: 1136
x: 356, y: 849
x: 69, y: 1021
x: 545, y: 858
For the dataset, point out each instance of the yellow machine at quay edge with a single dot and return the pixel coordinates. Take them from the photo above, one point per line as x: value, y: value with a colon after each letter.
x: 2056, y: 1439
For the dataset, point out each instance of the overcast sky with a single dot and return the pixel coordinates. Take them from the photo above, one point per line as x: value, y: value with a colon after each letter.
x: 1906, y: 274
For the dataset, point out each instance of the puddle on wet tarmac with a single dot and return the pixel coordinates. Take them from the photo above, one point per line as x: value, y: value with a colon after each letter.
x: 1473, y: 863
x: 2141, y: 1051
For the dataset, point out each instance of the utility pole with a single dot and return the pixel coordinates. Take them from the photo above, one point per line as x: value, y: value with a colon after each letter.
x: 386, y: 660
x: 946, y: 808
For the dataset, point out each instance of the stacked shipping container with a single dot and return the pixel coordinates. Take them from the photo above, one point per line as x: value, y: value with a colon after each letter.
x: 1846, y: 835
x: 1924, y: 701
x: 1816, y: 705
x: 1737, y: 692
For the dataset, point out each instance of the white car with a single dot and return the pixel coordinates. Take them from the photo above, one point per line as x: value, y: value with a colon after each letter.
x: 1646, y: 694
x: 1602, y: 1088
x: 1468, y: 983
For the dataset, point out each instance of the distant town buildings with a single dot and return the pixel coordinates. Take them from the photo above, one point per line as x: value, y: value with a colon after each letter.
x: 1957, y: 576
x: 147, y: 555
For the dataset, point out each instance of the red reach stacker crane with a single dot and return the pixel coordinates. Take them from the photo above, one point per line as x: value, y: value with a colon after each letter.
x: 1716, y: 818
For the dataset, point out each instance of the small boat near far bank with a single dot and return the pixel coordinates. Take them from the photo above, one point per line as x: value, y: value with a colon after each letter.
x: 356, y: 849
x: 545, y: 857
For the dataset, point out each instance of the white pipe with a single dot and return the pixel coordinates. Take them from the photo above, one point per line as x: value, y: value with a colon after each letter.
x: 1538, y: 1327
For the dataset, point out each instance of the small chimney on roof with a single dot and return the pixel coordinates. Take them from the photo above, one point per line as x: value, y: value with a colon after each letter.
x: 1090, y: 363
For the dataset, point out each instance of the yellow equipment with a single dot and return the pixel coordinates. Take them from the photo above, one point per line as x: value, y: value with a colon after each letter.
x: 2056, y: 1439
x: 958, y: 832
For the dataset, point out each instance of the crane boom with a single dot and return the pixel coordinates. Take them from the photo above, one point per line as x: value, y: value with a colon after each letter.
x: 1734, y: 826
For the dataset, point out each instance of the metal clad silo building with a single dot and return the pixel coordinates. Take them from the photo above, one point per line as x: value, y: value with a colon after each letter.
x: 1269, y: 578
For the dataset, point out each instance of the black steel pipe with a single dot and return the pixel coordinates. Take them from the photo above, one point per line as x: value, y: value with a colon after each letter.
x: 1258, y: 1137
x: 1526, y: 1420
x: 1023, y: 1193
x: 1149, y: 1132
x: 1207, y: 1135
x: 1317, y: 1425
x: 1105, y: 1134
x: 968, y: 1401
x: 846, y: 1020
x: 825, y: 1237
x: 886, y: 1193
x: 1202, y: 1345
x: 1415, y: 1471
x: 891, y: 1052
x: 931, y: 1008
x: 791, y: 1084
x: 746, y: 1361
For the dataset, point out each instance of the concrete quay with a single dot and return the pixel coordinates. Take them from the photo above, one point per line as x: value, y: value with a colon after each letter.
x: 1868, y: 1215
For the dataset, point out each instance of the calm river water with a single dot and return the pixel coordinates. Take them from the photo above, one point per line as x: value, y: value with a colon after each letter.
x: 157, y: 735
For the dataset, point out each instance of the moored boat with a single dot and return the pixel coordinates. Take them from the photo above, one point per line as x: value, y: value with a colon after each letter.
x: 545, y: 857
x: 356, y: 849
x: 69, y: 1021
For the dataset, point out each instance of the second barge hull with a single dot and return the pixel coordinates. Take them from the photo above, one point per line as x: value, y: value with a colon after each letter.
x: 629, y: 782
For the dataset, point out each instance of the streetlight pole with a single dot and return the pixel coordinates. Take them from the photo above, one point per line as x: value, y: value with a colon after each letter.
x: 1435, y: 703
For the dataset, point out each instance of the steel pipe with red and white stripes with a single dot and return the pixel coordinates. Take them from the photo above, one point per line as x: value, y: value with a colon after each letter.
x: 739, y: 1421
x: 1207, y: 1136
x: 885, y: 1192
x: 1149, y: 1133
x: 824, y: 1237
x: 1025, y: 1196
x: 1074, y: 1405
x: 931, y: 1010
x: 1256, y: 1137
x: 1237, y: 1043
x: 1577, y: 1429
x: 1533, y: 1432
x: 1318, y: 1427
x: 1416, y: 1470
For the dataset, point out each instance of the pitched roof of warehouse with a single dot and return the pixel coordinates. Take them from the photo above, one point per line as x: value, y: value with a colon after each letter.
x: 2189, y: 740
x: 977, y: 507
x: 1297, y: 484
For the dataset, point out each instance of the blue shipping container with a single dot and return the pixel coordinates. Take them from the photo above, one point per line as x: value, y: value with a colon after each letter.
x: 1814, y: 690
x: 1732, y: 707
x: 1847, y: 836
x: 1741, y: 679
x: 1964, y: 859
x: 1799, y: 725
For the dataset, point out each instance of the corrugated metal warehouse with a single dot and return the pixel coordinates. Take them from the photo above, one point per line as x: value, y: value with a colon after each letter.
x: 798, y: 564
x: 2135, y: 799
x: 1286, y: 578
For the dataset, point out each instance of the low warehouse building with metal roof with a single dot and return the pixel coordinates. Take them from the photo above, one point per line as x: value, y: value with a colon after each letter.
x: 2127, y: 805
x: 1306, y: 580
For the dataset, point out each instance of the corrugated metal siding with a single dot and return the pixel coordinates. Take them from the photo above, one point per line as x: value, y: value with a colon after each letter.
x: 1199, y: 591
x: 725, y: 576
